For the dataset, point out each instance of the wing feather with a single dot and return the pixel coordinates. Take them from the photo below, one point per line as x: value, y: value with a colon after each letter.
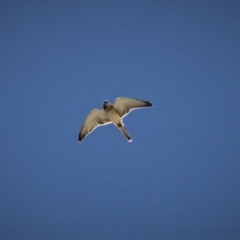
x: 95, y: 119
x: 124, y: 105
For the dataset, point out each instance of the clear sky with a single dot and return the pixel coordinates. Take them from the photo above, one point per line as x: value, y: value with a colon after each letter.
x: 179, y: 178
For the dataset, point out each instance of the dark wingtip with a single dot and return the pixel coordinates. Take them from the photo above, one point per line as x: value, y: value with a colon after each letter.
x: 150, y: 104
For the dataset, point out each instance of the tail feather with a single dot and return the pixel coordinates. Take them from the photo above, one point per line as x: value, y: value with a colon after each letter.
x: 125, y: 133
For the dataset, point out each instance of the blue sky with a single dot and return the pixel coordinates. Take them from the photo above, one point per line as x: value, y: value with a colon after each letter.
x: 179, y: 178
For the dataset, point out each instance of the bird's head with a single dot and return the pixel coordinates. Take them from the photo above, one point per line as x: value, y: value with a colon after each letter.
x: 105, y: 104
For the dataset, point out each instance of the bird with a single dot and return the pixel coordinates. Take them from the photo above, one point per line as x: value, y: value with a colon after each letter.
x: 112, y: 114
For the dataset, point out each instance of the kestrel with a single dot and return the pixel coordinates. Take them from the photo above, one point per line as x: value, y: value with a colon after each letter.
x: 111, y: 114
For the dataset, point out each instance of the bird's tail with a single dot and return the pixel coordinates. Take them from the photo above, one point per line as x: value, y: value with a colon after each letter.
x: 125, y: 133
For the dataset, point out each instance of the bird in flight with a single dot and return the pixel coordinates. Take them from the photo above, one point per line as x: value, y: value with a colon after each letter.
x: 111, y: 114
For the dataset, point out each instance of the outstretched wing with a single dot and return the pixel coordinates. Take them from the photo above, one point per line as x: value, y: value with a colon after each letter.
x: 125, y: 105
x: 95, y: 118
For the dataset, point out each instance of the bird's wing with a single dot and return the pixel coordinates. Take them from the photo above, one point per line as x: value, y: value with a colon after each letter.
x: 95, y: 118
x: 125, y: 105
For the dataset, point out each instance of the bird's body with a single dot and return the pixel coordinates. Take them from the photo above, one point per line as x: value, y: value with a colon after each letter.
x: 111, y: 114
x: 115, y: 118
